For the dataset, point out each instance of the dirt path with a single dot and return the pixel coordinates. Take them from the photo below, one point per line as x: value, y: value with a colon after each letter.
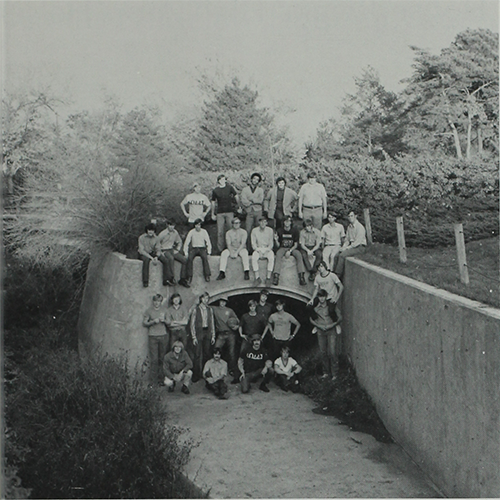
x: 271, y: 445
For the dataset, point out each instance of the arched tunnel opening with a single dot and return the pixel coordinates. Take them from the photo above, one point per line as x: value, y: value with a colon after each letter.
x: 303, y: 343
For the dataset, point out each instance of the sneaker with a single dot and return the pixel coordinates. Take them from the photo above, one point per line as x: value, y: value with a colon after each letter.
x: 185, y: 389
x: 247, y: 276
x: 258, y: 281
x: 222, y: 275
x: 145, y: 285
x: 263, y: 387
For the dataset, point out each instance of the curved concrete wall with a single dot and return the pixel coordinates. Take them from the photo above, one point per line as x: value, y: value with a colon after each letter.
x: 114, y: 299
x: 430, y: 361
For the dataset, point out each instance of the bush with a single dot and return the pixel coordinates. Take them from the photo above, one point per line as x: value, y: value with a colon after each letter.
x: 89, y: 429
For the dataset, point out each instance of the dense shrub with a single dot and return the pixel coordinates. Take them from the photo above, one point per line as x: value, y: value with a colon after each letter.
x: 89, y: 429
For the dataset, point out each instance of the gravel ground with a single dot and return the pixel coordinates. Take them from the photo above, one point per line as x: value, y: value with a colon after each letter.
x: 271, y: 445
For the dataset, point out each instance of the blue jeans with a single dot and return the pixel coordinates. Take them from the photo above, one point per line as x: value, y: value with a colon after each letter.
x: 202, y: 252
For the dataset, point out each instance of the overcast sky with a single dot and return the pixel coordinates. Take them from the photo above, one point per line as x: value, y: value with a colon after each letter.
x: 301, y: 54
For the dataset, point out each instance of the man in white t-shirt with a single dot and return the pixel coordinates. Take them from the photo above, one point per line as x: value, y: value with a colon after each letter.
x: 312, y: 201
x: 330, y: 282
x: 198, y: 205
x: 280, y: 324
x: 236, y: 239
x: 332, y: 237
x: 286, y: 370
x: 262, y: 239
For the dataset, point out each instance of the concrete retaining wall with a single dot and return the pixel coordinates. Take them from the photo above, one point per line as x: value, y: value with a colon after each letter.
x: 430, y: 361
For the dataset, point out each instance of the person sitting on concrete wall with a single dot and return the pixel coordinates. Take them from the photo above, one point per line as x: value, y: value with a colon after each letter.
x: 158, y: 338
x: 198, y: 205
x: 177, y: 318
x: 177, y: 366
x: 214, y: 373
x: 332, y: 237
x: 287, y: 239
x: 286, y: 371
x: 310, y: 246
x: 202, y: 325
x: 328, y: 281
x: 226, y: 324
x: 280, y: 202
x: 236, y: 239
x: 354, y: 244
x: 326, y: 328
x: 252, y: 199
x: 198, y: 243
x: 262, y: 238
x: 171, y: 247
x: 149, y: 251
x: 279, y: 325
x: 254, y: 364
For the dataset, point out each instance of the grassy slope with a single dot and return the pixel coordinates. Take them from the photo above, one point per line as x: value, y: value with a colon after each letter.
x: 438, y: 267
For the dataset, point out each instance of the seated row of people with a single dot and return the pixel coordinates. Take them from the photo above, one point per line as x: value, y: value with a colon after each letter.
x: 308, y: 247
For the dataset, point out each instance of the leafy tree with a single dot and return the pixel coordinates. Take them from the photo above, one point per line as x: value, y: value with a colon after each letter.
x: 234, y: 132
x: 455, y: 93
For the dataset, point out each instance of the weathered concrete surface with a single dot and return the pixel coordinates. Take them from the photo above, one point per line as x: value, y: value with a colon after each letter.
x: 114, y: 299
x: 430, y: 361
x: 272, y: 445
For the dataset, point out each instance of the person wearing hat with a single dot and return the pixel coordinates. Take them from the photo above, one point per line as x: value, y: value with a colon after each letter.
x: 195, y: 205
x: 262, y: 243
x: 224, y: 199
x: 332, y: 237
x: 280, y: 201
x: 214, y: 373
x: 312, y: 201
x: 287, y: 239
x: 310, y: 246
x: 251, y: 200
x: 171, y: 247
x: 254, y: 364
x: 226, y: 324
x: 177, y: 367
x: 236, y: 239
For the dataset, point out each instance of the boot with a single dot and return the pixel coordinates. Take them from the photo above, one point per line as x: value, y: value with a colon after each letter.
x: 222, y: 275
x: 247, y: 275
x: 302, y: 280
x: 276, y: 279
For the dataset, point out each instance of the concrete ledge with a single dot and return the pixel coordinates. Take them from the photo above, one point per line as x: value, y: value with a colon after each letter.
x: 430, y: 361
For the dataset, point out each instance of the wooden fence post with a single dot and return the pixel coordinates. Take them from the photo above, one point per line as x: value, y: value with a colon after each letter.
x: 462, y: 259
x: 401, y: 240
x: 368, y: 226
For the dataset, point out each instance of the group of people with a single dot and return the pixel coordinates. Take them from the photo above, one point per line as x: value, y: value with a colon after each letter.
x: 211, y: 342
x: 309, y: 246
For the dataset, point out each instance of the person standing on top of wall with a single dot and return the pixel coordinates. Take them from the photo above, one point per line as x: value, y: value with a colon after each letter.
x: 149, y: 251
x: 197, y: 243
x: 332, y: 237
x: 198, y: 205
x: 158, y: 339
x: 354, y: 244
x: 287, y: 239
x: 280, y: 202
x: 251, y: 200
x: 171, y: 246
x: 312, y: 201
x: 236, y: 239
x: 224, y: 200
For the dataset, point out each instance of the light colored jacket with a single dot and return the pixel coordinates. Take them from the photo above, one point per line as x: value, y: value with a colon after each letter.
x: 290, y: 198
x: 252, y: 200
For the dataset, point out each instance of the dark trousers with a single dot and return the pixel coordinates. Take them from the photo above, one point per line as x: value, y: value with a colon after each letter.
x: 228, y: 338
x: 178, y: 333
x: 285, y: 383
x: 253, y: 377
x: 201, y: 352
x: 158, y: 347
x: 332, y: 309
x: 168, y: 267
x: 145, y: 266
x: 318, y: 255
x: 202, y: 252
x: 339, y: 262
x: 277, y: 345
x: 219, y: 388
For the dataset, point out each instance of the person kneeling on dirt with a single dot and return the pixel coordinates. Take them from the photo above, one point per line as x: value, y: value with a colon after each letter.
x: 286, y: 371
x: 253, y: 364
x: 214, y: 373
x: 327, y: 328
x: 177, y: 367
